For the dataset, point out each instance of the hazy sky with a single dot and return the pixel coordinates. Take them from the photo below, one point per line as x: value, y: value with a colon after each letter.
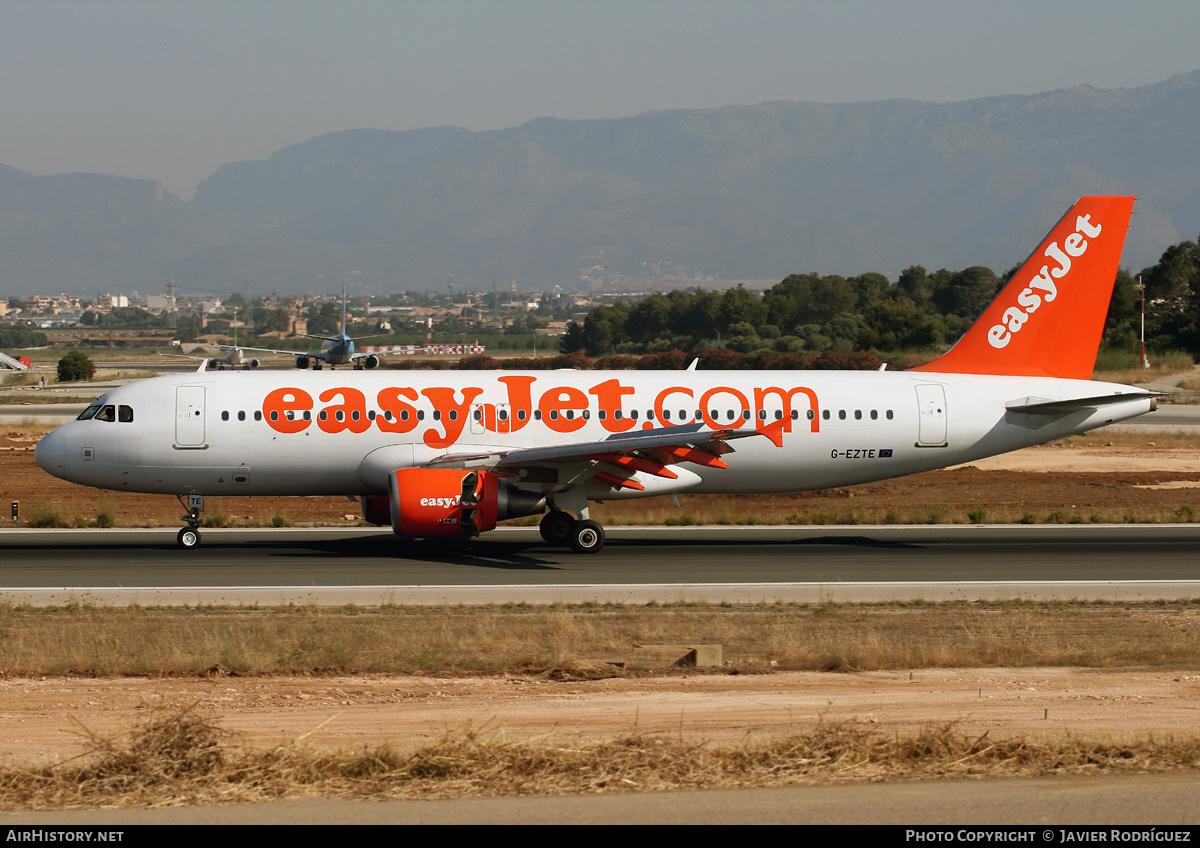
x: 170, y: 89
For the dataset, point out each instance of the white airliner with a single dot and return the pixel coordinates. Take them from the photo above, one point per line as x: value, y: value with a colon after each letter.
x: 448, y: 454
x: 234, y: 358
x: 235, y: 355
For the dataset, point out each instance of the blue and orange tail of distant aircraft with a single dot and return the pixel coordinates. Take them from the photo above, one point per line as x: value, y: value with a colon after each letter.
x: 1047, y: 321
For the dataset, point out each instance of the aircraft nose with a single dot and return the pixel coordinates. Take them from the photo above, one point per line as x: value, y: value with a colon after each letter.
x: 51, y: 453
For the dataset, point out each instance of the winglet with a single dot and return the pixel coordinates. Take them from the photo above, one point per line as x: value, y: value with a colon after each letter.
x: 1048, y: 320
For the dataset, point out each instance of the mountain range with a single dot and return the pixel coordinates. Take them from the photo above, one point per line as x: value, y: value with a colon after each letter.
x: 757, y: 191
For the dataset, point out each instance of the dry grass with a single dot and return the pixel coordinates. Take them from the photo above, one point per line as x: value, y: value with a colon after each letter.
x: 28, y: 427
x: 16, y: 399
x: 1131, y: 439
x: 186, y: 758
x: 1124, y: 367
x: 586, y: 640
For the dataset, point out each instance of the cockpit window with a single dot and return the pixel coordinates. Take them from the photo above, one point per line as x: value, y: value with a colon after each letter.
x: 90, y: 412
x: 124, y: 414
x: 107, y: 413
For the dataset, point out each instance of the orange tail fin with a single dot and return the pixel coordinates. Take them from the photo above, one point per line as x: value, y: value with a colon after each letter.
x: 1048, y: 320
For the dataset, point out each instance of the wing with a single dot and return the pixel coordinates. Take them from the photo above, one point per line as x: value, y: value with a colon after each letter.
x: 272, y: 350
x: 614, y: 460
x: 184, y: 356
x: 239, y: 349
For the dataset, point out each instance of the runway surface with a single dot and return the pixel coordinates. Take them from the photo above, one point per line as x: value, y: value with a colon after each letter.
x: 736, y: 564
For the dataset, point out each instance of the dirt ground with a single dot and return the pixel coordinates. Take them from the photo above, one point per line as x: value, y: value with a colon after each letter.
x: 51, y: 717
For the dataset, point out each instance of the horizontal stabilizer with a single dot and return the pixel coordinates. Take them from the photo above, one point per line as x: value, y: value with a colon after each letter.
x: 1042, y: 406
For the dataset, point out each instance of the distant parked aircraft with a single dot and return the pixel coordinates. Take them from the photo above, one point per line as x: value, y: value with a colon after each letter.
x: 335, y: 350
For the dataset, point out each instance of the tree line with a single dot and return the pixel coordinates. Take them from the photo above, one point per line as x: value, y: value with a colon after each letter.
x: 812, y: 313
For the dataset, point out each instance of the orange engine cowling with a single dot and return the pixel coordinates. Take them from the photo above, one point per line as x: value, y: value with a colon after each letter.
x: 442, y: 502
x: 425, y: 502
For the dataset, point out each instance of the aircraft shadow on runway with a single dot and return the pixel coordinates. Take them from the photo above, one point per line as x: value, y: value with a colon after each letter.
x: 492, y: 553
x: 477, y: 553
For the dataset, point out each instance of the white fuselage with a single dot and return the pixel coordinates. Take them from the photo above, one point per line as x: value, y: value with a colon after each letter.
x: 340, y: 433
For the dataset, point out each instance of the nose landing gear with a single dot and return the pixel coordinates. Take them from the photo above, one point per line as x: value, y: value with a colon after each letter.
x: 189, y: 537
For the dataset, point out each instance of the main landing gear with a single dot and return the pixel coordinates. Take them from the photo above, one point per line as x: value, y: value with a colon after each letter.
x: 583, y: 535
x: 189, y: 537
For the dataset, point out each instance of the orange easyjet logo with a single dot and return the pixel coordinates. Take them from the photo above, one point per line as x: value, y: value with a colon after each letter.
x: 563, y: 409
x: 1043, y: 287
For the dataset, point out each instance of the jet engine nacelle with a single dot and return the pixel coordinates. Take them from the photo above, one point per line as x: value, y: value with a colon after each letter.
x: 438, y: 502
x: 301, y: 361
x: 252, y: 363
x: 371, y: 361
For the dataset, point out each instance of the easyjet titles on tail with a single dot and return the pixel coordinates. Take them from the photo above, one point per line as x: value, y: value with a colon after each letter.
x: 1043, y: 286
